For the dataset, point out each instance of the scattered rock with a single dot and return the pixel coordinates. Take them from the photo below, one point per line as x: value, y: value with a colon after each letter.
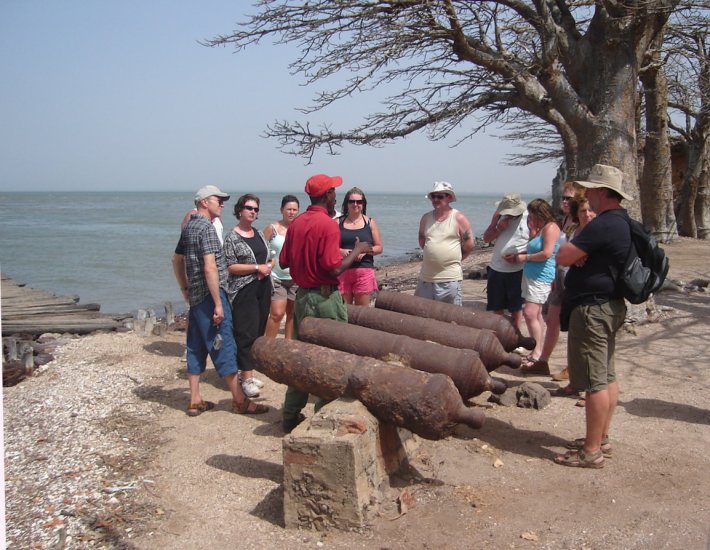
x: 528, y: 395
x: 532, y: 396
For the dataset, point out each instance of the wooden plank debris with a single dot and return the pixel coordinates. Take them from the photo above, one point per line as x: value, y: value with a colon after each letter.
x: 27, y: 310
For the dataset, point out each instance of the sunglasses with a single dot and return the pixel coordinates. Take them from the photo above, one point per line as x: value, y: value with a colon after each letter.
x: 251, y: 208
x: 437, y: 197
x: 567, y: 198
x: 355, y: 201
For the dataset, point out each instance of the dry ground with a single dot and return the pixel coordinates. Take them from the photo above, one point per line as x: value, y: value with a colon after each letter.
x: 117, y: 407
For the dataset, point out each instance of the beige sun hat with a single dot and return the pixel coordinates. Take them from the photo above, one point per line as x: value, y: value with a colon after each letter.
x: 602, y: 175
x: 511, y: 205
x: 442, y: 187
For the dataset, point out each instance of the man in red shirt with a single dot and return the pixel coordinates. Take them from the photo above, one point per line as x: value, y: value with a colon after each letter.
x: 311, y: 252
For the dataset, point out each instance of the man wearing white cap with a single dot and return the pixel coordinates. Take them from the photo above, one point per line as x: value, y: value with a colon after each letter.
x: 201, y: 272
x: 509, y: 230
x: 446, y: 239
x: 597, y: 311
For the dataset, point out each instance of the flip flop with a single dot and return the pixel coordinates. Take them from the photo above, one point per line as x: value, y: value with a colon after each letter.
x: 249, y: 407
x: 196, y: 409
x: 579, y: 459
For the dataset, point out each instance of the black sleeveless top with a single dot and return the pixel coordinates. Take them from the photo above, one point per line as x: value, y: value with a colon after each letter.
x: 347, y: 241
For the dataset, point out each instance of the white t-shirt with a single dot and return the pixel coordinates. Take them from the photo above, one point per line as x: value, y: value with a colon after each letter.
x: 514, y: 239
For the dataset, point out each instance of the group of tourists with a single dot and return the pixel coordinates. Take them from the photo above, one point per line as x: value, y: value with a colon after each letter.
x: 315, y: 263
x: 568, y: 265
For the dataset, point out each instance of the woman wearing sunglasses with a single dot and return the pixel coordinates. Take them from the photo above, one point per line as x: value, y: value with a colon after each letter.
x: 357, y: 283
x: 248, y: 286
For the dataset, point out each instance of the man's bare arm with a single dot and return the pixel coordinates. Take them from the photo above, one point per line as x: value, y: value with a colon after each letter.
x: 466, y: 233
x: 212, y: 278
x: 569, y: 254
x: 180, y: 274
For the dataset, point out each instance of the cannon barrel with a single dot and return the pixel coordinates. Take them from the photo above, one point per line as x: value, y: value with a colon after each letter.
x: 463, y: 366
x: 482, y: 341
x: 427, y: 404
x: 506, y: 332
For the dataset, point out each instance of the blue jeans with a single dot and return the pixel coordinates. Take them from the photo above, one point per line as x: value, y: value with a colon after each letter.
x: 200, y: 337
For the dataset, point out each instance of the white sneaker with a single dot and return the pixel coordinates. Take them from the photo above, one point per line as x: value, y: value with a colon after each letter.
x: 259, y: 383
x: 250, y: 388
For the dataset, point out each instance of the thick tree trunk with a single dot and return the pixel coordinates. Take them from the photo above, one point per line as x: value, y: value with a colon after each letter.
x: 607, y: 86
x: 688, y: 192
x: 702, y: 198
x: 656, y: 182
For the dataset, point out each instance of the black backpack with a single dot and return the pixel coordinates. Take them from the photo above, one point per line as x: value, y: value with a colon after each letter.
x: 646, y: 264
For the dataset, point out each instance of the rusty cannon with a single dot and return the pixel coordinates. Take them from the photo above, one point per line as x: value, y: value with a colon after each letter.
x: 506, y: 332
x: 463, y: 366
x: 426, y: 404
x: 482, y: 341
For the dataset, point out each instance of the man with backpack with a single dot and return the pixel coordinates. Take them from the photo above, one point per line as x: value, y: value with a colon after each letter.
x: 595, y: 257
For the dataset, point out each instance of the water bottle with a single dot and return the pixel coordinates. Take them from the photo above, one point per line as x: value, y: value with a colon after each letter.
x: 217, y: 342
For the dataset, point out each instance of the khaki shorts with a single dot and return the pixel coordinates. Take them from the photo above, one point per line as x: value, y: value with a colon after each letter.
x: 591, y: 344
x: 283, y: 290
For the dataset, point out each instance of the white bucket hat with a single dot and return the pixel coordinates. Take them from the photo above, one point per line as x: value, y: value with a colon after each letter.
x: 511, y: 205
x: 442, y: 187
x: 602, y: 175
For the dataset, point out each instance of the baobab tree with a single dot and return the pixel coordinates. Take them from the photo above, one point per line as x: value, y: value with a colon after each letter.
x: 459, y: 66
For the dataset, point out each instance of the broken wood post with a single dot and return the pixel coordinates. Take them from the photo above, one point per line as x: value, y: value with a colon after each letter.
x: 169, y: 313
x: 11, y: 344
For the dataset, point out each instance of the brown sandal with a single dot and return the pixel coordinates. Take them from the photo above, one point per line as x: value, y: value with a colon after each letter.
x: 249, y: 407
x: 577, y: 444
x: 566, y: 391
x: 196, y: 409
x: 579, y: 459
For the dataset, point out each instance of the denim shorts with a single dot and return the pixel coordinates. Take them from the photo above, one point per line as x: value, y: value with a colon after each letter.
x: 201, y: 334
x: 448, y: 291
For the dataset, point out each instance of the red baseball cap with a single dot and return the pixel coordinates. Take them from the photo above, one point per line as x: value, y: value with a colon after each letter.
x: 319, y: 184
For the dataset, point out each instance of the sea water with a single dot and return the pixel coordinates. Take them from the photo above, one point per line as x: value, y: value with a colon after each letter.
x: 114, y: 249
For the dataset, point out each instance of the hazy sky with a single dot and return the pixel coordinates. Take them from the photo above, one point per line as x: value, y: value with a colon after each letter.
x: 119, y: 95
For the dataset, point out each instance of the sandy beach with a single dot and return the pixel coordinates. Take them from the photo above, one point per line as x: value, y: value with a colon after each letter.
x: 99, y: 452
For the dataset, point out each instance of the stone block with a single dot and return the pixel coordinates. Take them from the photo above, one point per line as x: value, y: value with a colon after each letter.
x: 337, y: 466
